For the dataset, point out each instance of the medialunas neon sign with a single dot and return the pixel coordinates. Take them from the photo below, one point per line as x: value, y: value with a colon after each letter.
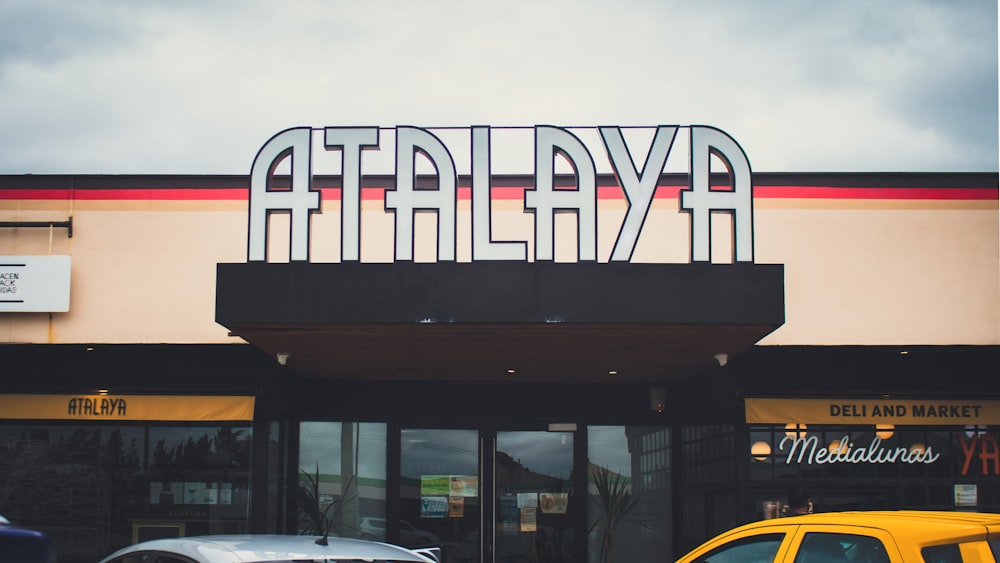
x: 544, y: 200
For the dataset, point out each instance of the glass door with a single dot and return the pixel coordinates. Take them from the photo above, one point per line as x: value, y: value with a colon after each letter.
x: 533, y: 482
x: 440, y: 502
x: 508, y: 501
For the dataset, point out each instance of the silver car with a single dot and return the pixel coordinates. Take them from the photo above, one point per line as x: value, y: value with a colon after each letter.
x: 264, y: 548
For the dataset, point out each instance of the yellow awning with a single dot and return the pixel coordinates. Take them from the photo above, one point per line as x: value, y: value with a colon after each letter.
x: 195, y: 408
x: 872, y: 411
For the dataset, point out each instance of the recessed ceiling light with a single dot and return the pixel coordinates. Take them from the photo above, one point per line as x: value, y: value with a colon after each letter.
x: 512, y: 371
x: 613, y: 372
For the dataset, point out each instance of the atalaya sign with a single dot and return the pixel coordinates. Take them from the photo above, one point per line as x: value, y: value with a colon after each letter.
x: 543, y: 200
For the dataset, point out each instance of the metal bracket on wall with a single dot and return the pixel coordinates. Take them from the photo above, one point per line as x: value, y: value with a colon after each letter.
x: 67, y: 224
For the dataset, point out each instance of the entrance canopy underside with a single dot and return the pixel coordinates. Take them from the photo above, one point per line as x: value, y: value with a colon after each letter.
x: 573, y: 322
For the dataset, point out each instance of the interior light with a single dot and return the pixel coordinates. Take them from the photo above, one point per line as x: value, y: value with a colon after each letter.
x: 837, y: 446
x: 102, y: 391
x: 884, y: 431
x: 794, y: 430
x: 760, y: 450
x: 974, y: 430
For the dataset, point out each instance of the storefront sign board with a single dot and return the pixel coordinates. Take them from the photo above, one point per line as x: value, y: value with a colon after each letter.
x: 34, y: 284
x: 181, y: 408
x: 927, y: 412
x: 638, y: 181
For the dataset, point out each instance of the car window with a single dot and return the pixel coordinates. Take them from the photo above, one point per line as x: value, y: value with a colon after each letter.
x: 821, y: 547
x: 167, y: 558
x: 151, y: 557
x: 137, y: 557
x: 995, y: 548
x: 942, y: 554
x: 754, y: 549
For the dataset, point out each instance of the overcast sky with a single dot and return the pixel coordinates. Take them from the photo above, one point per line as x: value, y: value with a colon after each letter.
x: 197, y: 87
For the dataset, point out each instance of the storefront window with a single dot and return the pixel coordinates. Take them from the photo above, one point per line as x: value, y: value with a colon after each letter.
x: 341, y: 483
x: 441, y: 494
x: 707, y: 487
x: 629, y: 492
x: 865, y: 467
x: 95, y: 488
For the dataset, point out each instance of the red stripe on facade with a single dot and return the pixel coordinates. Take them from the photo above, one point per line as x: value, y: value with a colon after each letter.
x: 514, y: 193
x: 822, y: 192
x: 169, y: 194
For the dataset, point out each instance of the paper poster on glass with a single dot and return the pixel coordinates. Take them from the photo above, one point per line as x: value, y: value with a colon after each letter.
x: 225, y: 493
x: 553, y: 503
x: 966, y: 495
x: 434, y: 507
x: 198, y: 492
x: 456, y: 507
x: 509, y: 514
x: 529, y: 519
x: 527, y: 500
x: 464, y: 485
x: 161, y: 492
x: 434, y: 485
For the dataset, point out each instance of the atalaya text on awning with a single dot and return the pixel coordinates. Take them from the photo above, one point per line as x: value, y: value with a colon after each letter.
x: 543, y: 200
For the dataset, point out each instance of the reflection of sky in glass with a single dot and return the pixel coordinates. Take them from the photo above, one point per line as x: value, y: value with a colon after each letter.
x: 452, y: 451
x: 131, y: 437
x: 174, y: 436
x: 319, y: 443
x: 439, y: 452
x: 608, y: 447
x: 547, y: 453
x: 55, y: 433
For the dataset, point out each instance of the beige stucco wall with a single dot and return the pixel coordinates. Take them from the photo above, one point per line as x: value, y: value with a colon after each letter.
x: 865, y: 272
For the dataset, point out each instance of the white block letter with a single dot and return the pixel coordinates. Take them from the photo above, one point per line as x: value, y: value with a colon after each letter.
x: 545, y: 200
x: 483, y: 245
x: 406, y: 199
x: 351, y: 141
x: 701, y: 200
x: 300, y: 200
x: 639, y: 187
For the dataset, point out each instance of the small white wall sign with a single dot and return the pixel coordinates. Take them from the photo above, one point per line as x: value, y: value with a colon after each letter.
x: 34, y: 284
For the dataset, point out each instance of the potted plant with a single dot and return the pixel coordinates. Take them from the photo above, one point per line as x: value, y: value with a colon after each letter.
x: 316, y: 519
x: 616, y: 503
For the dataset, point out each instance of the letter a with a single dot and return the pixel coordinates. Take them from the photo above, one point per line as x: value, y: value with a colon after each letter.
x: 406, y: 199
x: 301, y: 200
x: 701, y: 200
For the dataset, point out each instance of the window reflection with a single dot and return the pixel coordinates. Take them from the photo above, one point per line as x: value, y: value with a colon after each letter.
x: 341, y: 484
x: 118, y: 483
x: 440, y: 492
x: 629, y: 483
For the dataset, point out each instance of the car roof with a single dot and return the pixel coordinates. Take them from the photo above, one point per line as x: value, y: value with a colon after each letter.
x: 930, y: 525
x: 272, y: 547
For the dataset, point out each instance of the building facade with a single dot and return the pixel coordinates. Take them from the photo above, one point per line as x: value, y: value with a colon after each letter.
x: 550, y: 387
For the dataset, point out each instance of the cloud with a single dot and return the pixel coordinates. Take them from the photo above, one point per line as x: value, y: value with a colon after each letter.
x: 109, y: 86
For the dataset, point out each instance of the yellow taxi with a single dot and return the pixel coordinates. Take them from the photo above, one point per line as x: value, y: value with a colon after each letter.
x: 905, y: 536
